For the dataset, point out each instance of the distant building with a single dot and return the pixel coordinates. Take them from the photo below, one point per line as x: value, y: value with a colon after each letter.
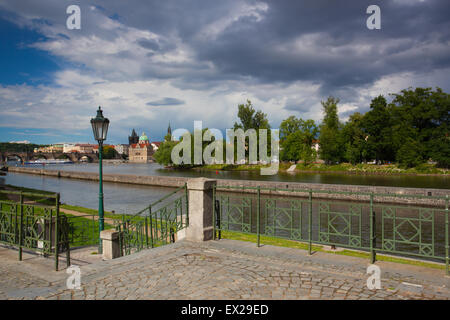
x: 169, y: 134
x: 121, y: 148
x: 68, y: 147
x: 133, y: 139
x: 315, y: 145
x: 155, y: 146
x: 141, y: 151
x: 54, y: 148
x: 85, y: 147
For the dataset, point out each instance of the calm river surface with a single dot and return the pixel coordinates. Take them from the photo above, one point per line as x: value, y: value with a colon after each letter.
x: 129, y: 198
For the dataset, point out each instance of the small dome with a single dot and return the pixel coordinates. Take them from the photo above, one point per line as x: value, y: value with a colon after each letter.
x: 143, y: 137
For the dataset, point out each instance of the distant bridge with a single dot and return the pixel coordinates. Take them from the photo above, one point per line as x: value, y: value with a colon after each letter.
x: 30, y: 156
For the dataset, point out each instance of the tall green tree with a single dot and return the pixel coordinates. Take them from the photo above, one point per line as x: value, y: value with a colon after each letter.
x: 297, y: 139
x: 330, y: 138
x: 354, y: 139
x: 377, y: 126
x: 249, y: 118
x: 423, y: 116
x: 163, y: 154
x: 109, y: 152
x: 288, y: 127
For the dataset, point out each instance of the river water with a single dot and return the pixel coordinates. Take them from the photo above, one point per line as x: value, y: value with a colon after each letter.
x: 127, y: 198
x: 132, y: 198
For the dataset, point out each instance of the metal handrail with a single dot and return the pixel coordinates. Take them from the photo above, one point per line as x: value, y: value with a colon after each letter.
x: 332, y: 192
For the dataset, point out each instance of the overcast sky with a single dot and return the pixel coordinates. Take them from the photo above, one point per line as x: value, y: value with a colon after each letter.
x: 150, y: 62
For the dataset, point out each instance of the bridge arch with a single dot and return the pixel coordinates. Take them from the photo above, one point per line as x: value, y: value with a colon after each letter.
x: 63, y: 156
x: 85, y: 158
x: 39, y: 156
x: 9, y: 157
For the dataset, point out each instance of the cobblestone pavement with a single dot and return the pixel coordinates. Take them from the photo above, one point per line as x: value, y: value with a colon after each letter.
x: 228, y: 269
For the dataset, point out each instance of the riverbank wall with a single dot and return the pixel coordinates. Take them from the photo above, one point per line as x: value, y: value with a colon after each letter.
x: 422, y: 196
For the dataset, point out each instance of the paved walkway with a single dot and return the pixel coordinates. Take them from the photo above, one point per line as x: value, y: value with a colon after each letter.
x: 224, y: 269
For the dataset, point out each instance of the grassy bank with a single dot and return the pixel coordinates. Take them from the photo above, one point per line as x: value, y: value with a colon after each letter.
x: 347, y: 168
x: 317, y: 248
x: 240, y: 167
x: 385, y: 169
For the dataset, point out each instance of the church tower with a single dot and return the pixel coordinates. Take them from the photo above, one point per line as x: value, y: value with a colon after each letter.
x: 134, y: 138
x: 168, y: 136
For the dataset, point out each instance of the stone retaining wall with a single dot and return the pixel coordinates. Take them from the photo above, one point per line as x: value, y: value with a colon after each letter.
x: 167, y: 181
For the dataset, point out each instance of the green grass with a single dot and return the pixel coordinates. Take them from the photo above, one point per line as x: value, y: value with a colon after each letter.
x: 240, y: 167
x: 361, y: 168
x: 304, y: 246
x: 37, y: 199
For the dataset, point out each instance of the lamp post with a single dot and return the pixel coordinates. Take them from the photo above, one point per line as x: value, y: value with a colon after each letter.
x: 100, y: 128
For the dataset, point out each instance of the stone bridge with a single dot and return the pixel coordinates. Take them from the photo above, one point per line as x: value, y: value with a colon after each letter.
x: 30, y: 156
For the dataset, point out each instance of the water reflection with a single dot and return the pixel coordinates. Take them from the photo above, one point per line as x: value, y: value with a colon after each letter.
x: 118, y: 197
x: 146, y: 169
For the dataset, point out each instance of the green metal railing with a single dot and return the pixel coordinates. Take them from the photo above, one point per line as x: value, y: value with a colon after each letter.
x: 156, y: 224
x: 359, y: 221
x: 83, y: 230
x: 32, y: 221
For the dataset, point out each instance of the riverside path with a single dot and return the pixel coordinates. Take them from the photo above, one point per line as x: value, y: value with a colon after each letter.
x: 224, y: 269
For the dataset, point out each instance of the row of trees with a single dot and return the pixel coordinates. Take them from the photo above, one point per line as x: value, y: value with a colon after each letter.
x: 411, y: 129
x: 17, y: 147
x: 248, y: 117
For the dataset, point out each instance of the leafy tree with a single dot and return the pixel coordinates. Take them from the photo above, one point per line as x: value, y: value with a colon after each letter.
x: 377, y: 126
x: 330, y: 139
x: 297, y: 136
x: 409, y: 154
x: 250, y: 118
x: 423, y: 115
x: 354, y: 139
x: 163, y: 154
x: 18, y: 147
x: 288, y: 127
x: 108, y: 152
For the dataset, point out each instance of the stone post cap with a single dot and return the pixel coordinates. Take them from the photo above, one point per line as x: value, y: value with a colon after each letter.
x: 201, y: 184
x: 109, y: 234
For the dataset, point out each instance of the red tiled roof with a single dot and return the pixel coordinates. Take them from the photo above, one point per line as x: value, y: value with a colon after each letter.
x: 140, y: 145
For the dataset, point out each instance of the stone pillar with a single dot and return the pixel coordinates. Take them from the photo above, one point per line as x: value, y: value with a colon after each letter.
x: 110, y: 243
x: 200, y: 209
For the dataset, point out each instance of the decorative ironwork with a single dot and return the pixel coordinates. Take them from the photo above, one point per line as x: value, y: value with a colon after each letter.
x: 35, y: 225
x: 156, y: 225
x: 414, y: 230
x: 341, y: 227
x: 403, y: 228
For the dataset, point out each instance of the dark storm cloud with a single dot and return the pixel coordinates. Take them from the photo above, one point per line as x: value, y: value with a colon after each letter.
x: 166, y: 102
x: 320, y: 41
x: 337, y: 49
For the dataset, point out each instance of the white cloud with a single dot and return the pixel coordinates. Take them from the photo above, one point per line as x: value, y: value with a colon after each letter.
x: 122, y: 68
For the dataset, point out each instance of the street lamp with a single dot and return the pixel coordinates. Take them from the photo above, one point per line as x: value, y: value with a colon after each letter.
x: 100, y: 128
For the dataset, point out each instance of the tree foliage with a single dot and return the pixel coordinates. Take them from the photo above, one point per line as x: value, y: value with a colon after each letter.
x: 108, y: 152
x: 296, y: 139
x: 331, y: 150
